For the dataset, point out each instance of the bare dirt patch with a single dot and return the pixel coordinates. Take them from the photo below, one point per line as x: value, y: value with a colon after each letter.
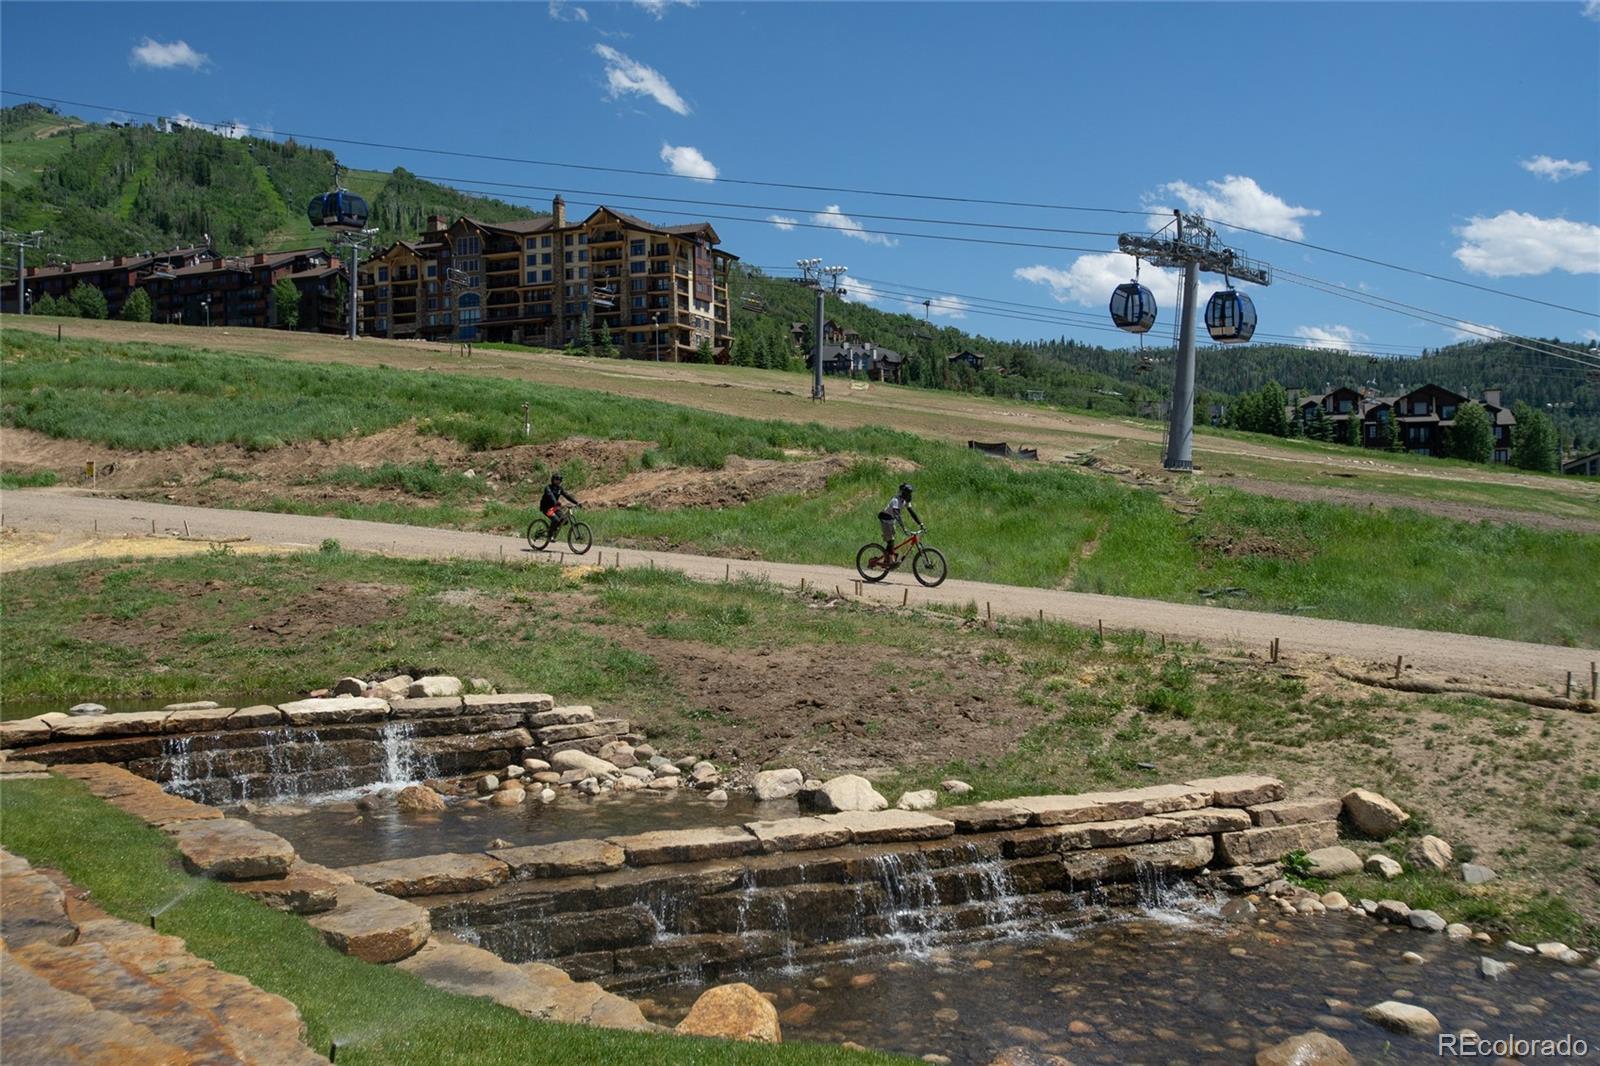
x: 1465, y: 512
x: 1257, y: 545
x: 739, y: 482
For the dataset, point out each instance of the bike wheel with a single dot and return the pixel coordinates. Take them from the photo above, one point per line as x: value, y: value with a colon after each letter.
x: 539, y: 534
x: 870, y: 564
x: 579, y: 539
x: 929, y: 568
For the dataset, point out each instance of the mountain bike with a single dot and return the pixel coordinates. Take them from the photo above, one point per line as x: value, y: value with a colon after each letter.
x: 542, y: 530
x: 927, y: 564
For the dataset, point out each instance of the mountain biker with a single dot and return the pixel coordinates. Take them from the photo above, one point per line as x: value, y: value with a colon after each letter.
x: 890, y: 516
x: 550, y: 501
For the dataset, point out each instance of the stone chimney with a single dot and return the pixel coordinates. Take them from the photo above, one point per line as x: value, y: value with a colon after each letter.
x: 436, y: 224
x: 558, y: 209
x: 1492, y: 397
x: 261, y: 257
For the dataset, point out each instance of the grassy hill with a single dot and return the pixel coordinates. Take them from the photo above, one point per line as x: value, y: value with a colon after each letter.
x: 102, y: 189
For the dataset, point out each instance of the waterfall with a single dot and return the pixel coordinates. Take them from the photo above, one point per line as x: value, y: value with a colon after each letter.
x: 176, y: 765
x: 401, y: 763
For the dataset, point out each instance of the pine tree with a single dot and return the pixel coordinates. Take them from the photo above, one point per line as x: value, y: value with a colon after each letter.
x: 287, y: 299
x: 136, y: 308
x: 90, y: 301
x: 1471, y: 436
x: 607, y: 347
x: 1533, y: 442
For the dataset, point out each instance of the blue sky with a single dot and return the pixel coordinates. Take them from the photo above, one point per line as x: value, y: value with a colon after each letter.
x: 1459, y: 139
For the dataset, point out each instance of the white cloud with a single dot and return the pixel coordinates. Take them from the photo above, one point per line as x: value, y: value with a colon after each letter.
x: 231, y: 130
x: 858, y: 291
x: 1090, y: 279
x: 152, y: 53
x: 1335, y: 338
x: 1554, y: 169
x: 832, y: 217
x: 687, y: 162
x: 1513, y: 243
x: 1475, y: 331
x: 625, y: 76
x: 1239, y: 201
x: 783, y: 222
x: 659, y: 8
x: 562, y: 13
x: 1591, y: 9
x: 947, y: 307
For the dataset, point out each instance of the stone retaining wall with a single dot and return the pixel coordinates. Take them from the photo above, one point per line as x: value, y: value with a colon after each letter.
x: 632, y: 911
x: 226, y: 754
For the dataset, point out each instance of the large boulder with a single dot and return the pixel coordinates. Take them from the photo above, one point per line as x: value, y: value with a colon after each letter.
x: 435, y: 685
x: 1375, y: 815
x: 1431, y: 853
x: 921, y: 800
x: 232, y: 850
x: 847, y: 792
x: 778, y: 783
x: 1307, y: 1049
x: 1384, y: 866
x: 1333, y: 862
x: 1405, y: 1018
x: 733, y: 1012
x: 573, y: 759
x: 419, y: 799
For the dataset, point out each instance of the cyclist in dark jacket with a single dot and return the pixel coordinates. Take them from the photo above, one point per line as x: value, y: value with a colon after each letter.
x: 550, y: 501
x: 890, y: 516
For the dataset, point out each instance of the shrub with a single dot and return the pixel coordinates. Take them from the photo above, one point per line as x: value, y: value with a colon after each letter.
x: 136, y: 308
x: 90, y: 301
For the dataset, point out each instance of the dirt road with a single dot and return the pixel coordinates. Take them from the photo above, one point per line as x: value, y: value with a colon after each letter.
x: 1478, y: 658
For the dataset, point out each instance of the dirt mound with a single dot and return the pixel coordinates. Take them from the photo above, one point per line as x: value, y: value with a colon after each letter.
x: 1258, y: 545
x: 740, y: 481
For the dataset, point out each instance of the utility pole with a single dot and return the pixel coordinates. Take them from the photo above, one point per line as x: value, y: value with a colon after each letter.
x: 812, y: 271
x: 23, y: 241
x: 355, y: 242
x: 1194, y: 247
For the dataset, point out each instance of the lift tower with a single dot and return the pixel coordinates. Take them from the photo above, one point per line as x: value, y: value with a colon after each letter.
x: 1193, y: 246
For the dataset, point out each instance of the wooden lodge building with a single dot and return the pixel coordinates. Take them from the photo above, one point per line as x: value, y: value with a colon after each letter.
x: 661, y: 291
x: 1421, y: 416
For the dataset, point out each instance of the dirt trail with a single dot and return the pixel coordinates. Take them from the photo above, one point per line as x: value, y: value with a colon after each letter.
x: 1451, y: 655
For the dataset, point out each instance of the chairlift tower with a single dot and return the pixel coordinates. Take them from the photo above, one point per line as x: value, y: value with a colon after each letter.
x: 1193, y: 246
x: 23, y: 241
x: 812, y: 271
x: 356, y: 241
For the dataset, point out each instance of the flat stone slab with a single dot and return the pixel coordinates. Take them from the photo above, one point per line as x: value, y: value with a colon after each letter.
x: 426, y: 707
x: 22, y: 732
x: 22, y: 770
x: 1240, y: 790
x: 1271, y: 843
x: 35, y: 907
x: 193, y: 705
x: 197, y: 719
x: 1112, y: 806
x: 231, y: 850
x: 600, y: 727
x: 528, y: 702
x: 372, y: 926
x: 687, y: 845
x: 328, y: 710
x: 534, y: 990
x: 306, y: 889
x: 431, y: 875
x: 1294, y: 812
x: 798, y: 834
x: 1209, y: 820
x: 565, y: 858
x: 1117, y: 834
x: 1122, y: 864
x: 986, y: 817
x: 561, y: 716
x: 260, y: 716
x: 92, y: 726
x: 63, y: 1027
x: 889, y: 826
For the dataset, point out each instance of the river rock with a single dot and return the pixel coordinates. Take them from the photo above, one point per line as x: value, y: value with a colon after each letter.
x: 777, y: 784
x: 1458, y: 931
x: 665, y: 783
x: 589, y: 786
x: 733, y: 1012
x: 1238, y: 910
x: 1474, y: 874
x: 1411, y: 958
x: 535, y: 766
x: 419, y: 799
x: 921, y: 800
x: 487, y: 783
x: 955, y: 786
x: 1374, y: 814
x: 1314, y: 1048
x: 642, y: 774
x: 1393, y: 910
x: 1333, y: 862
x: 1492, y: 969
x: 847, y: 792
x: 1554, y: 949
x: 87, y: 708
x: 1384, y: 867
x: 392, y: 688
x: 1405, y: 1018
x: 717, y: 796
x: 1431, y: 853
x: 618, y: 753
x: 547, y: 795
x: 589, y: 765
x: 508, y: 797
x: 1334, y: 901
x: 435, y: 685
x: 231, y: 850
x: 350, y: 686
x: 511, y: 773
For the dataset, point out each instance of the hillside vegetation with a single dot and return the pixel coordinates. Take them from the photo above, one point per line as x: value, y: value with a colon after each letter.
x: 106, y: 190
x: 1044, y: 524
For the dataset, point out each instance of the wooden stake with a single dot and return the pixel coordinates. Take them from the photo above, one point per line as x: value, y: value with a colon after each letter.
x: 152, y: 521
x: 988, y: 611
x: 727, y: 572
x: 837, y: 592
x: 185, y: 527
x: 1041, y: 616
x: 1399, y: 660
x: 1102, y: 629
x: 1569, y: 684
x: 905, y: 597
x: 1163, y: 642
x: 1594, y: 680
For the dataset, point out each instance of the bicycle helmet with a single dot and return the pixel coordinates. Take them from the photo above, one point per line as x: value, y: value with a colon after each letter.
x: 555, y: 479
x: 905, y: 491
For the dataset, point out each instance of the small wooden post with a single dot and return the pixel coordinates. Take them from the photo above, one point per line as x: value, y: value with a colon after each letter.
x: 1399, y: 660
x: 727, y: 572
x: 1163, y: 642
x: 1102, y: 626
x: 1569, y: 684
x: 152, y: 521
x: 905, y: 597
x: 1594, y: 680
x: 988, y: 611
x: 837, y: 592
x: 1041, y: 616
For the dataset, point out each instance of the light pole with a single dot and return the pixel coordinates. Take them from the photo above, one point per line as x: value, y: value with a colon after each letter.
x: 655, y: 334
x: 205, y: 305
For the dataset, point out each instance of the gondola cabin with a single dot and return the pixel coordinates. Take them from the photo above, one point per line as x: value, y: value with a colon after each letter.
x: 1133, y: 307
x: 1230, y: 317
x: 341, y: 209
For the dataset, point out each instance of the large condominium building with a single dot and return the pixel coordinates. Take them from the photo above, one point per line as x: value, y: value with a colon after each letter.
x: 660, y: 291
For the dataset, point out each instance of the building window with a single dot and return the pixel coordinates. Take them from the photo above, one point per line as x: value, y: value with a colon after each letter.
x: 544, y: 242
x: 468, y: 246
x: 533, y: 260
x: 583, y: 238
x: 583, y: 255
x: 636, y: 248
x: 547, y: 276
x: 583, y: 272
x: 533, y: 277
x: 433, y: 269
x: 637, y: 267
x: 544, y: 259
x: 1447, y: 411
x: 383, y: 273
x: 568, y: 240
x: 470, y: 299
x: 532, y: 242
